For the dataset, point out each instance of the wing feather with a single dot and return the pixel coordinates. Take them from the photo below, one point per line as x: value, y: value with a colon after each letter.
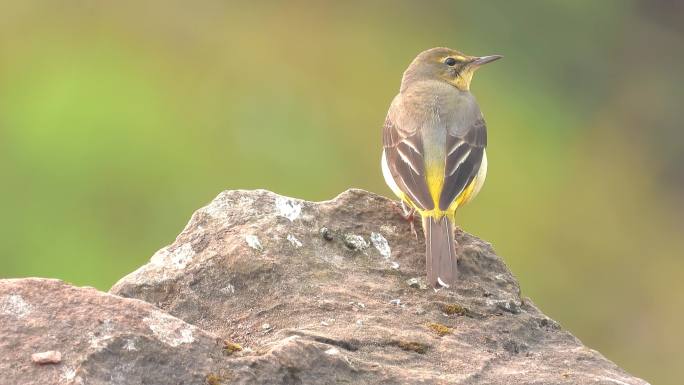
x: 463, y: 161
x: 404, y: 152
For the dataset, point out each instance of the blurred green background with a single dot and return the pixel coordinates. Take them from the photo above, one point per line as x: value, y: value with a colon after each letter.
x: 118, y: 119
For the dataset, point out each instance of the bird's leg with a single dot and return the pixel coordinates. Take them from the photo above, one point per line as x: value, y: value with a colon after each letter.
x: 408, y: 214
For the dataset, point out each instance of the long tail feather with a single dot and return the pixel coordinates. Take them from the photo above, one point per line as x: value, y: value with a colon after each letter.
x: 440, y: 251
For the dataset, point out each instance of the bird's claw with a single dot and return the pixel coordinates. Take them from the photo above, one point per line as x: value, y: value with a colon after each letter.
x: 408, y: 214
x: 413, y: 228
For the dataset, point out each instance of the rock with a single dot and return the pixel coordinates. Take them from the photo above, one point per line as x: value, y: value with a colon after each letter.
x: 351, y: 250
x: 107, y: 339
x: 102, y: 338
x: 49, y: 357
x: 416, y: 283
x: 264, y: 289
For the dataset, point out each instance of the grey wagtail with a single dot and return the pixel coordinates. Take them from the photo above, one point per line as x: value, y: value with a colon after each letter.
x: 434, y: 157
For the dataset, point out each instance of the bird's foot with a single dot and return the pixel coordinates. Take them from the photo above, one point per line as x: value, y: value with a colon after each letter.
x: 408, y: 214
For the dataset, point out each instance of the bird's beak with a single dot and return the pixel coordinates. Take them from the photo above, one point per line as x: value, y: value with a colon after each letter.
x: 478, y: 61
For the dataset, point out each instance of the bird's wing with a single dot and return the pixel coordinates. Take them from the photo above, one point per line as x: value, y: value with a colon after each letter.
x: 464, y: 153
x: 404, y: 154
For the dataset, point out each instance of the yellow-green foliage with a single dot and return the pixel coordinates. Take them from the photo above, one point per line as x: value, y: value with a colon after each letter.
x: 453, y: 308
x: 230, y: 347
x: 440, y: 329
x: 213, y: 379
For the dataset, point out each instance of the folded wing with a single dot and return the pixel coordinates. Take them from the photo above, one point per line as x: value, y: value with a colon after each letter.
x: 404, y: 152
x: 463, y: 160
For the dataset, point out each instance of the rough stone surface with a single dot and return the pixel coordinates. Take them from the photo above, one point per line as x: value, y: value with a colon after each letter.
x: 49, y: 357
x: 264, y: 289
x: 102, y: 338
x: 334, y: 292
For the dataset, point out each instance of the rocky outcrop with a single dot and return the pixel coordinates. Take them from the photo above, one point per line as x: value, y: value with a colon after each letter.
x: 99, y: 338
x: 264, y: 289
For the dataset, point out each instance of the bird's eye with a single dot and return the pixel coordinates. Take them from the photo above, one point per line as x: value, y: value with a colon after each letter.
x: 450, y: 61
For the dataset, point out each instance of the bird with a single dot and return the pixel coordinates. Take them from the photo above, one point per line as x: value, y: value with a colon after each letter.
x: 434, y: 150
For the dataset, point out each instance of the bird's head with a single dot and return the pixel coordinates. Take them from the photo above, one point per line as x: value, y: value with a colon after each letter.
x: 447, y: 65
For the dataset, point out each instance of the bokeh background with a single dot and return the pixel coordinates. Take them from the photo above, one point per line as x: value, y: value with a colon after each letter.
x: 119, y: 119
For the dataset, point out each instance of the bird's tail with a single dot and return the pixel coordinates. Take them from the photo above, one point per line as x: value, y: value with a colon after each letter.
x: 440, y: 251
